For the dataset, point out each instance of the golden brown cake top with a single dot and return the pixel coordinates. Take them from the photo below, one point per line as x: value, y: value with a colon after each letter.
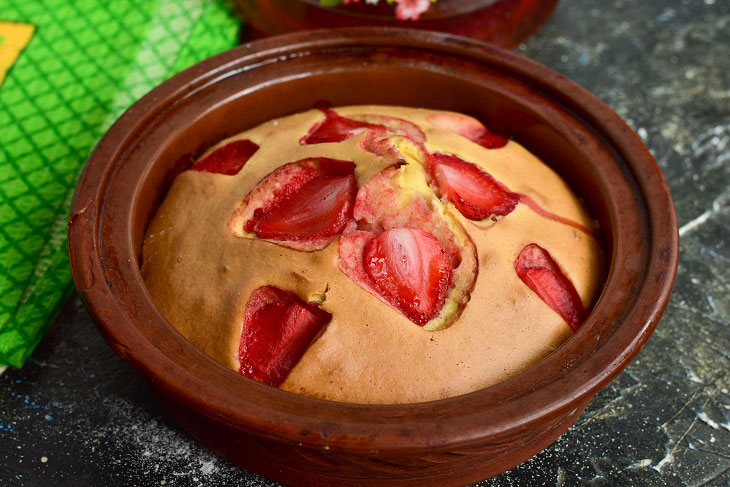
x: 206, y: 253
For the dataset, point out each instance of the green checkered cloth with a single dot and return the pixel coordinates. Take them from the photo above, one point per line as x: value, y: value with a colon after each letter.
x: 87, y: 62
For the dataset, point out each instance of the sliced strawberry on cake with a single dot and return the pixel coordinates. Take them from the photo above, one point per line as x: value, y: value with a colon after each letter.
x: 228, y: 159
x: 411, y: 270
x: 303, y: 205
x: 536, y: 268
x: 278, y: 327
x: 396, y: 127
x: 337, y: 128
x: 476, y: 194
x: 468, y: 127
x: 406, y: 249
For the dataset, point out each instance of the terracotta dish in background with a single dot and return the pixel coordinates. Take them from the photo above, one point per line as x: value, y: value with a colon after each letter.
x: 503, y: 23
x: 299, y: 440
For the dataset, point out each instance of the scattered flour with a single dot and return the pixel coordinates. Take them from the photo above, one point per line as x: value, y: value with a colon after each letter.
x: 155, y: 448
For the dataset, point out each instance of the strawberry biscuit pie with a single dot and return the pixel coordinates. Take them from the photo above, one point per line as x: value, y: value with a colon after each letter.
x: 373, y: 254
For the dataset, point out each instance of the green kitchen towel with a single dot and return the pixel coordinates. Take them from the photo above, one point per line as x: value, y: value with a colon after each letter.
x: 87, y: 61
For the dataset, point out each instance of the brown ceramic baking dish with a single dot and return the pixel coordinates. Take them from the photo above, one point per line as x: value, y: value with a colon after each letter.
x: 299, y: 440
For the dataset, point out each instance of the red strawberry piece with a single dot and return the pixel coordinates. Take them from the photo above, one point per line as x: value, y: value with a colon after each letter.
x: 310, y: 199
x: 490, y: 140
x: 228, y: 159
x: 468, y: 127
x: 335, y: 128
x: 541, y: 273
x: 395, y: 126
x: 320, y: 208
x: 278, y: 327
x: 303, y: 204
x: 335, y: 167
x: 476, y: 194
x: 411, y: 270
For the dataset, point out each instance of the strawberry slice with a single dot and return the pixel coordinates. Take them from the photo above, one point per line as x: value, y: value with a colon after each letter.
x: 335, y: 167
x: 335, y: 128
x: 476, y: 194
x: 536, y: 267
x: 396, y: 127
x: 468, y: 127
x: 411, y: 270
x: 379, y: 128
x: 278, y: 327
x: 228, y: 159
x: 490, y: 140
x: 320, y: 208
x: 303, y: 204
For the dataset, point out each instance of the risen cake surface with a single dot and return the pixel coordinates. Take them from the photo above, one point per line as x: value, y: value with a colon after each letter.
x: 201, y: 266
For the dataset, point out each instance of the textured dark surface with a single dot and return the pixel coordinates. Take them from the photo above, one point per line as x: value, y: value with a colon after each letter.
x: 77, y: 414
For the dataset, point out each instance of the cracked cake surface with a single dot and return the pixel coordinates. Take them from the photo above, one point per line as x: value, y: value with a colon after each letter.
x: 400, y: 255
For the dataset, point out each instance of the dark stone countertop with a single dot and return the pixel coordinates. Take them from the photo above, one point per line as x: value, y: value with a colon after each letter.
x: 76, y: 414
